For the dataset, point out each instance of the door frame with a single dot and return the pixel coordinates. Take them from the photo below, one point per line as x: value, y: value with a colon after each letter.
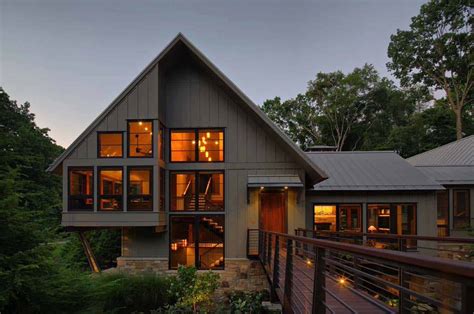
x: 273, y: 190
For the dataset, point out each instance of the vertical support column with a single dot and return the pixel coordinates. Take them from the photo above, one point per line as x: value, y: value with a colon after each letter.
x: 319, y: 283
x: 96, y: 189
x: 402, y: 295
x: 467, y: 298
x: 125, y: 188
x: 288, y: 277
x: 276, y: 270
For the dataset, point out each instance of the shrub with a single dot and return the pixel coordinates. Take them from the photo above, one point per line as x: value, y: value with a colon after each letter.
x: 246, y: 302
x: 193, y: 291
x: 123, y: 293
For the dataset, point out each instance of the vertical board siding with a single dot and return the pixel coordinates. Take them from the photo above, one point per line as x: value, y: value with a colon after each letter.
x: 143, y: 99
x: 132, y: 102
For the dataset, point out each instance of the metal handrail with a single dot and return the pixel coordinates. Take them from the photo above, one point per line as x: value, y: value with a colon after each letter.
x: 377, y: 277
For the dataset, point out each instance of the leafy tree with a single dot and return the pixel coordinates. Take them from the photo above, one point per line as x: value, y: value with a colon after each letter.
x: 437, y: 52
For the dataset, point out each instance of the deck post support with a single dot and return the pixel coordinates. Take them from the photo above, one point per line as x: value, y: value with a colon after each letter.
x: 401, y: 294
x: 89, y: 254
x: 269, y: 257
x: 276, y: 270
x: 288, y: 274
x: 319, y: 283
x: 467, y: 298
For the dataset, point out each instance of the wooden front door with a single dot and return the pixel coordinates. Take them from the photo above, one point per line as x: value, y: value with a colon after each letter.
x: 273, y: 211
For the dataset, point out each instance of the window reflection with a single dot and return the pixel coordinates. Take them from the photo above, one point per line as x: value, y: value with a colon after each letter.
x: 140, y: 138
x: 139, y: 189
x: 110, y: 145
x: 110, y: 189
x: 81, y: 189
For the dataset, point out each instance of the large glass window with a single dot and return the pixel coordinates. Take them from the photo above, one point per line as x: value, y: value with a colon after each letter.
x: 110, y: 188
x: 197, y: 191
x: 197, y: 241
x: 162, y: 189
x: 81, y: 188
x: 337, y: 217
x: 183, y: 146
x: 442, y: 200
x: 110, y: 144
x: 197, y: 145
x: 461, y: 208
x: 140, y: 139
x: 392, y: 218
x: 140, y: 187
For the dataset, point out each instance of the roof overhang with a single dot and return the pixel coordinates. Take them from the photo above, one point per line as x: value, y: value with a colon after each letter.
x: 274, y: 181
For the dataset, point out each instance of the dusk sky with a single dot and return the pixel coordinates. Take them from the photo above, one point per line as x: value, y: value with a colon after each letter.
x: 71, y: 58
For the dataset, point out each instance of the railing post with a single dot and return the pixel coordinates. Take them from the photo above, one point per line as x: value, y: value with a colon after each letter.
x: 269, y: 250
x: 467, y: 298
x: 356, y: 276
x: 288, y: 274
x: 319, y: 283
x: 264, y: 248
x: 276, y: 270
x: 401, y: 294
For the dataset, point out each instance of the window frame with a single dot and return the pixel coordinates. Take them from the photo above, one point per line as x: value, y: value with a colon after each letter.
x: 100, y: 196
x: 86, y: 168
x: 129, y: 169
x: 161, y: 142
x: 152, y: 138
x: 196, y: 187
x: 196, y: 139
x: 196, y: 223
x: 99, y: 144
x: 162, y: 189
x: 338, y: 218
x: 393, y: 217
x: 448, y: 218
x: 468, y: 211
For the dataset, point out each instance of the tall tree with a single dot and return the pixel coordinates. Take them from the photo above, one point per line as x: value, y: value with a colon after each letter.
x: 437, y: 51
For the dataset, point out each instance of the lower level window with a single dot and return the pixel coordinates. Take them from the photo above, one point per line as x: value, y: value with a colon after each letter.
x: 110, y: 188
x: 461, y: 208
x: 337, y: 217
x: 197, y: 240
x: 392, y: 218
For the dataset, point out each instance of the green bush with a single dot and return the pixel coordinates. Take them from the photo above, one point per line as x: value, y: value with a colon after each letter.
x: 246, y: 302
x: 123, y: 293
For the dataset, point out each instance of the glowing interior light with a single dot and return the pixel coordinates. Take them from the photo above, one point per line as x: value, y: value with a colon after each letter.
x: 308, y: 262
x: 342, y: 281
x: 199, y: 143
x: 202, y: 149
x: 151, y: 133
x: 286, y: 188
x: 207, y: 154
x: 261, y: 188
x: 146, y: 129
x: 208, y: 134
x: 217, y: 142
x: 140, y: 123
x: 210, y: 159
x: 174, y: 246
x: 194, y: 142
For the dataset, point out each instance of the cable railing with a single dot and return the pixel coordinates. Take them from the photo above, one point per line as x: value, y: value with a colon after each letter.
x: 459, y: 248
x: 320, y: 276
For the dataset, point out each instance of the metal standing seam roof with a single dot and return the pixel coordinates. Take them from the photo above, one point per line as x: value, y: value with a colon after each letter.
x: 457, y: 153
x: 274, y: 181
x: 449, y: 174
x: 369, y: 171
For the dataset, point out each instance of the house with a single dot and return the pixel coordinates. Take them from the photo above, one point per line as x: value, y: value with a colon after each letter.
x: 184, y: 164
x: 451, y: 165
x: 367, y: 191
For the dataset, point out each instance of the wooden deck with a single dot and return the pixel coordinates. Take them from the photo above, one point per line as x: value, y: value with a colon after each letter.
x: 350, y: 300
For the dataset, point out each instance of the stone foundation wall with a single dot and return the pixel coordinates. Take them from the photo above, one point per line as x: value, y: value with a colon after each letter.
x: 239, y: 274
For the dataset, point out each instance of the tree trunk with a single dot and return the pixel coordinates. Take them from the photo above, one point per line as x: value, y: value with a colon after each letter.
x: 458, y: 113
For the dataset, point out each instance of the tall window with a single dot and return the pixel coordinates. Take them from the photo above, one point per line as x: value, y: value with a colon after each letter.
x: 140, y: 187
x: 337, y: 217
x: 162, y: 189
x: 110, y: 188
x: 201, y: 145
x: 81, y: 189
x: 110, y: 144
x: 197, y: 241
x: 140, y: 139
x: 197, y: 191
x: 442, y: 200
x: 461, y: 208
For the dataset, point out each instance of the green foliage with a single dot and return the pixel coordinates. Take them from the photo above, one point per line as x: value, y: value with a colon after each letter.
x: 246, y: 302
x: 193, y: 291
x: 105, y: 244
x: 437, y: 52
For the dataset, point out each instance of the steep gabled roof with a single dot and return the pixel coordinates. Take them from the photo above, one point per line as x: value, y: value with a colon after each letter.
x: 313, y: 171
x: 369, y: 171
x: 457, y: 153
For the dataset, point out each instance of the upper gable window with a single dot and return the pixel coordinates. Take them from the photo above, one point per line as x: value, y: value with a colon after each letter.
x: 203, y: 145
x: 140, y: 139
x: 110, y: 144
